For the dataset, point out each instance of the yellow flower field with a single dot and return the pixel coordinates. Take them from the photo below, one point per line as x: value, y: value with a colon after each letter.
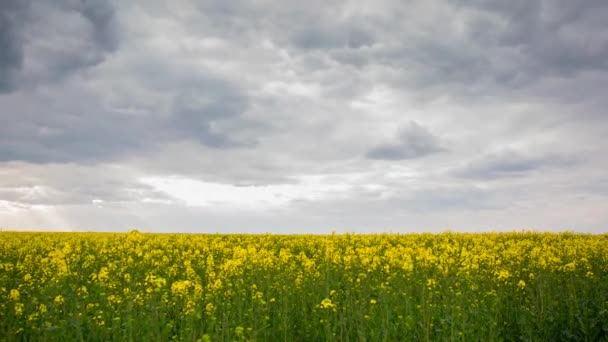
x: 159, y: 287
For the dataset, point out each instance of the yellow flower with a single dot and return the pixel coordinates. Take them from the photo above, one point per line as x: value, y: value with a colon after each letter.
x: 82, y: 291
x: 114, y: 299
x: 569, y: 267
x: 327, y: 304
x: 59, y: 300
x: 181, y: 287
x: 103, y: 274
x: 42, y: 308
x: 504, y: 274
x: 521, y: 284
x: 18, y: 309
x: 14, y: 294
x: 189, y: 307
x: 372, y: 301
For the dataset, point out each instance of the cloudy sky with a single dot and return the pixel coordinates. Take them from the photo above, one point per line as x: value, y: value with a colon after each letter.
x: 304, y: 116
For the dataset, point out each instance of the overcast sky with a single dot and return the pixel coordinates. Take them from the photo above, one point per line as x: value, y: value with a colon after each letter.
x: 304, y: 116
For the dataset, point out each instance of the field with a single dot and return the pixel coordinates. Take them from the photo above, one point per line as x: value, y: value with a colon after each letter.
x: 419, y: 287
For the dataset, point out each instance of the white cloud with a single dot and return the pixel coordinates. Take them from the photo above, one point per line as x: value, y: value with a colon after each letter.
x: 194, y: 192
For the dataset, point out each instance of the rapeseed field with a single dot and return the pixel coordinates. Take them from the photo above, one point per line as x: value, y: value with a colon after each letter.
x: 415, y: 287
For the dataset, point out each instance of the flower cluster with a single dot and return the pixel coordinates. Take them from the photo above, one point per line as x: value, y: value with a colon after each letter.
x: 278, y: 287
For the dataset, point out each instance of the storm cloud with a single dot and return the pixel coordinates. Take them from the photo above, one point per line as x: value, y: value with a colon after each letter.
x: 303, y: 116
x: 47, y: 42
x: 12, y: 13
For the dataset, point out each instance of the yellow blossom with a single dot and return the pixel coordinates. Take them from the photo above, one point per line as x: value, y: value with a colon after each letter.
x: 504, y: 274
x: 327, y: 304
x: 181, y: 287
x: 18, y: 309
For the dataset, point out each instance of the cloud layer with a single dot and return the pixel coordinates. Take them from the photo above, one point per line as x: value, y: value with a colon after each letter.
x: 303, y: 117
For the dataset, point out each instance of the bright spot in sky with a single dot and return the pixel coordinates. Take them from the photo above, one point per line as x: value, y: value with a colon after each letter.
x: 198, y: 193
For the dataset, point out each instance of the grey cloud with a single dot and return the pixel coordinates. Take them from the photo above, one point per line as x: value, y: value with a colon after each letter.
x: 481, y: 49
x: 414, y: 141
x: 406, y: 207
x: 56, y: 38
x: 100, y: 136
x: 555, y: 37
x: 510, y: 163
x: 12, y: 13
x: 102, y: 17
x: 290, y: 24
x: 565, y: 35
x: 316, y: 38
x: 436, y: 198
x: 597, y: 186
x: 450, y: 198
x: 55, y: 128
x: 68, y: 184
x: 241, y: 93
x: 198, y: 108
x: 46, y: 195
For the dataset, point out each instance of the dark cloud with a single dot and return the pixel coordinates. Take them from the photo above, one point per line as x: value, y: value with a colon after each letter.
x: 52, y: 129
x: 56, y: 129
x: 522, y: 43
x: 482, y: 49
x: 413, y: 141
x: 56, y: 38
x: 102, y: 17
x: 314, y: 37
x: 12, y: 14
x: 557, y: 37
x: 290, y: 97
x: 199, y: 107
x: 511, y: 163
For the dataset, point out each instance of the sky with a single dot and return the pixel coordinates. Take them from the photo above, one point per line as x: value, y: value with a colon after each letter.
x: 304, y: 116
